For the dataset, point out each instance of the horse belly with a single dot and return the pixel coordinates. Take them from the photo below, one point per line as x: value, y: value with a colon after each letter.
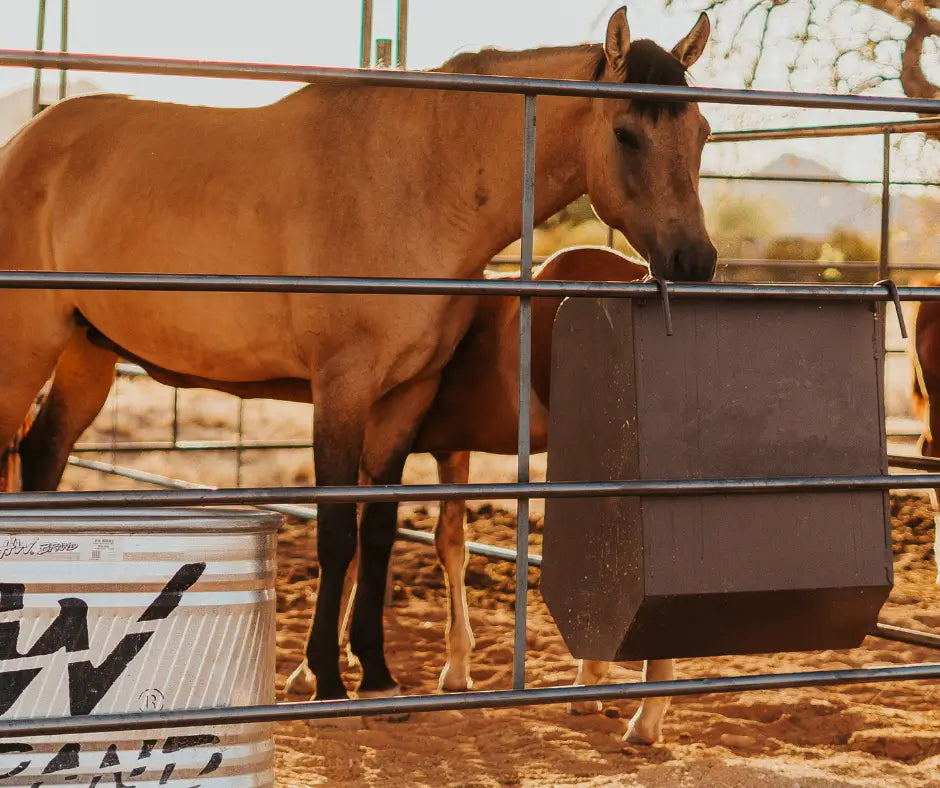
x: 220, y: 336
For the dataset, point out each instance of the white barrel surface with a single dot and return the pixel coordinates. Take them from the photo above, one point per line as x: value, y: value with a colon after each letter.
x: 120, y: 610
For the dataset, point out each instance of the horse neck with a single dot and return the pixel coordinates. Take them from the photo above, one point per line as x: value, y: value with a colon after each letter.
x: 485, y: 150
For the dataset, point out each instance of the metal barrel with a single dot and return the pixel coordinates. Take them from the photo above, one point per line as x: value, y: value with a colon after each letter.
x: 119, y: 610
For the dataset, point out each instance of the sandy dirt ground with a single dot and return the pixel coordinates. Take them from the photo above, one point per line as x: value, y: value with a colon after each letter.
x: 862, y: 735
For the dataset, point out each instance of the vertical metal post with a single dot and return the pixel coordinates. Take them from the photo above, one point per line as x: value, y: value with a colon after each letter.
x: 401, y: 48
x: 64, y: 47
x: 383, y: 53
x: 40, y: 39
x: 525, y: 393
x: 176, y: 416
x: 115, y: 391
x: 240, y: 441
x: 884, y: 269
x: 365, y: 40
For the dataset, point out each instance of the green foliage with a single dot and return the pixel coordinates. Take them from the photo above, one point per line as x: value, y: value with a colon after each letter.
x: 854, y: 247
x: 793, y: 247
x: 739, y: 227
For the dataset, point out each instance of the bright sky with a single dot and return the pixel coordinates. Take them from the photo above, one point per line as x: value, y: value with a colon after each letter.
x: 326, y: 32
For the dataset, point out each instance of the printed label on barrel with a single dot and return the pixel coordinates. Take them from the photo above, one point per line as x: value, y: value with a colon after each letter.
x: 106, y: 547
x: 100, y: 651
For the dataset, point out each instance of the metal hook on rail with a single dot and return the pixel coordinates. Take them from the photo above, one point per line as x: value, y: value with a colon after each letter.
x: 893, y: 292
x: 664, y: 292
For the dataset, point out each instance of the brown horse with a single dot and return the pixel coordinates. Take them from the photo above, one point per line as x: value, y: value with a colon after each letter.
x: 476, y: 408
x: 316, y: 184
x: 926, y: 391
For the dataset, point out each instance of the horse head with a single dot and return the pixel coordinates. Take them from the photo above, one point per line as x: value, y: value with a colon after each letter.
x: 644, y: 156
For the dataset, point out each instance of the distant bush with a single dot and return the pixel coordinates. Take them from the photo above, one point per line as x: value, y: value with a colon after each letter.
x: 793, y: 247
x: 855, y: 248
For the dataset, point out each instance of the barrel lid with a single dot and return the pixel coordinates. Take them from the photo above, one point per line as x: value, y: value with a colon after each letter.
x: 156, y: 520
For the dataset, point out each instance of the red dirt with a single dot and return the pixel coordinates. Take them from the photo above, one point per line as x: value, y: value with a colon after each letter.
x: 862, y: 735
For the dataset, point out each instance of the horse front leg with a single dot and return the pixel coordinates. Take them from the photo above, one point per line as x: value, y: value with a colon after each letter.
x: 377, y: 531
x: 449, y: 541
x: 339, y: 436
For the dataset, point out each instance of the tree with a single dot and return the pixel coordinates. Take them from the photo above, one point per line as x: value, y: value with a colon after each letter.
x: 864, y: 44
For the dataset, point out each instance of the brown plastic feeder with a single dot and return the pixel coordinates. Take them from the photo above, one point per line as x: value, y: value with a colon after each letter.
x: 752, y: 389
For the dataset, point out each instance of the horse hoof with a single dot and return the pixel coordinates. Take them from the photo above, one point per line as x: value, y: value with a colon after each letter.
x: 376, y: 720
x: 389, y: 692
x: 584, y: 707
x: 300, y: 682
x: 635, y: 736
x: 354, y: 722
x: 449, y: 682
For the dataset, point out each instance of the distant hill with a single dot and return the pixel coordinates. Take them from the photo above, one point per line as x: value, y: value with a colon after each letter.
x: 16, y: 107
x: 815, y: 210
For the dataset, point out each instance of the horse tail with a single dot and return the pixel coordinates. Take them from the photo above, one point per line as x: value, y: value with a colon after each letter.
x: 10, y: 464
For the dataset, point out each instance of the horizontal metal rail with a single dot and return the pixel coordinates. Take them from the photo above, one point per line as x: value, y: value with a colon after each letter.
x: 492, y: 699
x: 763, y: 262
x: 905, y: 635
x: 835, y: 130
x: 914, y: 463
x: 191, y: 445
x: 302, y: 512
x: 55, y: 280
x: 470, y: 492
x: 431, y: 80
x: 135, y: 447
x: 813, y: 179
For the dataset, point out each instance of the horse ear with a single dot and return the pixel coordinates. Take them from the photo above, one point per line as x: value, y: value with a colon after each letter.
x: 690, y: 48
x: 617, y: 43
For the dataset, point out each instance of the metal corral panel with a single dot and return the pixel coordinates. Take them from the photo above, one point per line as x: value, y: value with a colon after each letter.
x: 108, y: 611
x: 742, y: 390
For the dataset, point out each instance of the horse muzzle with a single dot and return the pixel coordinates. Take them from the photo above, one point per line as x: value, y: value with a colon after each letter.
x: 691, y: 263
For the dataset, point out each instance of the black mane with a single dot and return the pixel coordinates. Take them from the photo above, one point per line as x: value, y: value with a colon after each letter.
x: 650, y: 64
x: 647, y: 64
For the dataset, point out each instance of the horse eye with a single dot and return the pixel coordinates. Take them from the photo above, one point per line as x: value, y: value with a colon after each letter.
x: 627, y: 138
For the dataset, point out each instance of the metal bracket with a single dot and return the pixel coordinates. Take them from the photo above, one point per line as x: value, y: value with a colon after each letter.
x: 893, y: 293
x: 664, y: 292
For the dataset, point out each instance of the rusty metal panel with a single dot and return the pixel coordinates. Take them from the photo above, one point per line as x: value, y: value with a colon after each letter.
x: 750, y: 390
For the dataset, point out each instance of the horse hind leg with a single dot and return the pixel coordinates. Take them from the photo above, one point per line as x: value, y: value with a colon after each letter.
x: 32, y: 336
x: 590, y: 672
x: 929, y: 443
x: 83, y: 378
x: 646, y: 727
x: 449, y: 541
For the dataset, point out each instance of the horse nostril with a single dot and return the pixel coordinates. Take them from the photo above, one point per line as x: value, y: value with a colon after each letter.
x: 694, y: 263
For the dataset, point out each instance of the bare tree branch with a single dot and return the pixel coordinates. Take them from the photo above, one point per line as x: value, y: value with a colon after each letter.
x: 734, y: 39
x: 859, y: 52
x: 760, y: 48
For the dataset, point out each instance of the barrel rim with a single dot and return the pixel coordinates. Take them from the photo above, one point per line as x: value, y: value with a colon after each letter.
x: 142, y: 521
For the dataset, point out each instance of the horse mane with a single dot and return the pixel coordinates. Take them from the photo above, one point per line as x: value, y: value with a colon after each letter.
x: 647, y: 64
